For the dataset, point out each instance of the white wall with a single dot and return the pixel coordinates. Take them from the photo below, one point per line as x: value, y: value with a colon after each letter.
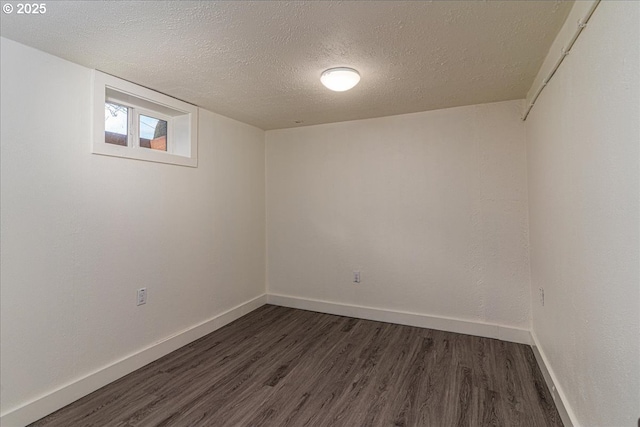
x: 583, y: 140
x: 81, y: 232
x: 430, y: 207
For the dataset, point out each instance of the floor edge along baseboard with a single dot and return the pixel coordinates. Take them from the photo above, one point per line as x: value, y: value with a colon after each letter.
x: 559, y: 397
x: 487, y: 330
x: 71, y: 392
x: 504, y: 333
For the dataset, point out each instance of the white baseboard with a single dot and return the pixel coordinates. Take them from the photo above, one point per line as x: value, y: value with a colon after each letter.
x: 559, y: 397
x: 504, y: 333
x: 69, y: 393
x: 488, y: 330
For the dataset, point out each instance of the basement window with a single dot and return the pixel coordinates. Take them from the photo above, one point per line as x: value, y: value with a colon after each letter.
x: 135, y: 122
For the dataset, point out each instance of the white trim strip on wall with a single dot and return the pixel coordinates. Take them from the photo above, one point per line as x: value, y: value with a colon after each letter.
x: 576, y: 21
x: 559, y: 397
x: 71, y: 392
x: 487, y: 330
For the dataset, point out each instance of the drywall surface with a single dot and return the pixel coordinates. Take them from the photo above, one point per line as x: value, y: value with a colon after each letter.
x: 430, y: 207
x: 82, y: 232
x: 583, y: 138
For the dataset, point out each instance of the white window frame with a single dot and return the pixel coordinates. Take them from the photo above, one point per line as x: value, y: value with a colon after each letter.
x: 182, y: 140
x: 135, y: 117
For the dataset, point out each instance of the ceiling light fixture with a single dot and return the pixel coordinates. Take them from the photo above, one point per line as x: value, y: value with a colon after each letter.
x: 340, y: 79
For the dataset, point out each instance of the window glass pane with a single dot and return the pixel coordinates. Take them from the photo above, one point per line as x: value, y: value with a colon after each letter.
x: 153, y: 133
x: 115, y: 124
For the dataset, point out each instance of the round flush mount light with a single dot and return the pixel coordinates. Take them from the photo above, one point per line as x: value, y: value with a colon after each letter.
x: 340, y: 79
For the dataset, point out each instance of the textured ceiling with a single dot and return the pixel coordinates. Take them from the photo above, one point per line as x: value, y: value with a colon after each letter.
x: 260, y: 62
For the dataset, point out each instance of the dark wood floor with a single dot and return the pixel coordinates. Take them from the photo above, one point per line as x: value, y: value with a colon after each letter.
x: 283, y: 367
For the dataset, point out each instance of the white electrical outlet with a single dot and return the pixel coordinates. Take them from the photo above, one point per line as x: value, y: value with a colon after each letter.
x: 356, y: 277
x: 142, y: 296
x: 542, y: 297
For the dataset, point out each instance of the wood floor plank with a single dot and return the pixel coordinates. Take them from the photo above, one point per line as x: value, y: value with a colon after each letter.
x: 339, y: 363
x: 278, y: 366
